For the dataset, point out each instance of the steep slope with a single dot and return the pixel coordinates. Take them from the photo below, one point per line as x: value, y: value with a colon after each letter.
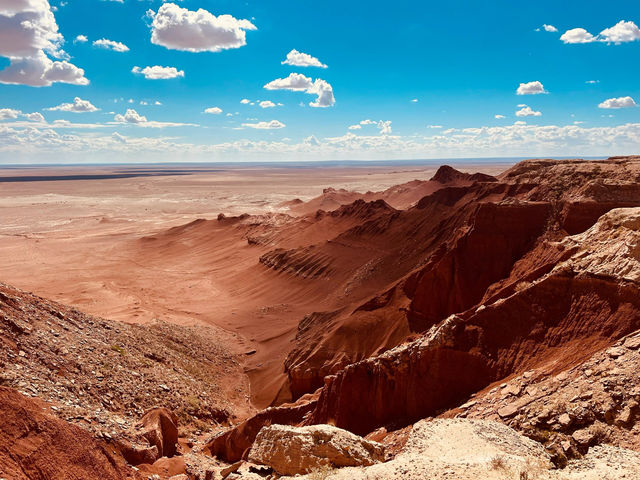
x: 583, y: 305
x: 103, y: 375
x: 35, y: 445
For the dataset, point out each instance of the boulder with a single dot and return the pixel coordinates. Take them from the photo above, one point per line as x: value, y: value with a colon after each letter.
x: 298, y: 450
x: 159, y: 427
x: 155, y: 436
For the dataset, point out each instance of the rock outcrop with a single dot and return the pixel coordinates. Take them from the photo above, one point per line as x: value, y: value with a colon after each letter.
x: 153, y: 437
x: 34, y: 445
x: 234, y: 444
x: 298, y: 450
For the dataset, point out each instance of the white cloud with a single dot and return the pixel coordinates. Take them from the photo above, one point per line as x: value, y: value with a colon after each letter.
x: 34, y: 117
x: 111, y: 45
x: 130, y: 116
x: 213, y: 110
x: 498, y: 116
x: 300, y: 59
x: 621, y: 32
x: 527, y: 111
x: 325, y: 94
x: 245, y: 101
x: 577, y: 35
x: 9, y: 113
x: 81, y: 39
x: 295, y: 81
x: 434, y: 126
x: 300, y: 83
x: 383, y: 125
x: 28, y: 27
x: 414, y: 100
x: 592, y: 81
x: 273, y: 124
x: 530, y: 88
x: 177, y: 28
x: 549, y: 28
x: 620, y: 102
x: 35, y: 143
x: 41, y: 71
x: 158, y: 72
x: 28, y: 36
x: 78, y: 106
x: 267, y: 104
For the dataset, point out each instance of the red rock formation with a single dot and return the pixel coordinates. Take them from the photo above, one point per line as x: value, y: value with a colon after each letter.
x: 582, y: 306
x: 36, y: 446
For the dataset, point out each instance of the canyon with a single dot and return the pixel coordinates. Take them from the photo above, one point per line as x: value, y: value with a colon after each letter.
x: 459, y: 306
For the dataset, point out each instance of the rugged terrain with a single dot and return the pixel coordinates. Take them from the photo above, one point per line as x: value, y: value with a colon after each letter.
x: 499, y: 308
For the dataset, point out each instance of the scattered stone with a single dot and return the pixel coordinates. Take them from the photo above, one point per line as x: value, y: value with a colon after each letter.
x: 508, y: 411
x: 615, y: 352
x: 564, y: 420
x: 583, y: 437
x: 632, y: 342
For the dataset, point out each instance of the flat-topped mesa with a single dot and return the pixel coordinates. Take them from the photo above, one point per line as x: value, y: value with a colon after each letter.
x: 446, y: 174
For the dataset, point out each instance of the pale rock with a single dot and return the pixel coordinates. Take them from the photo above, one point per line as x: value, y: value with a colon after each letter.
x: 297, y: 450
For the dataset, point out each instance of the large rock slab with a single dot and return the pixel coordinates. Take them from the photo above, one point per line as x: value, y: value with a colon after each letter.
x: 298, y: 450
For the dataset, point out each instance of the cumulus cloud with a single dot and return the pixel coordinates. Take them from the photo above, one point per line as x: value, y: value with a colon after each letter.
x: 267, y: 104
x: 12, y: 114
x: 111, y: 45
x: 621, y: 32
x: 245, y: 101
x: 295, y: 81
x: 498, y: 116
x: 300, y: 83
x: 28, y: 27
x: 130, y: 116
x: 177, y: 28
x: 81, y: 39
x: 577, y: 35
x: 383, y: 125
x: 78, y: 106
x: 549, y: 28
x: 9, y: 113
x: 620, y: 102
x: 299, y: 59
x: 157, y: 72
x: 28, y: 37
x: 527, y: 111
x: 271, y: 125
x: 41, y: 71
x: 34, y: 117
x: 530, y: 88
x: 213, y: 110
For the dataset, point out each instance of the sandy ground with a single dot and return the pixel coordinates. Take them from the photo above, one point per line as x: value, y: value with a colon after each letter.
x: 78, y: 235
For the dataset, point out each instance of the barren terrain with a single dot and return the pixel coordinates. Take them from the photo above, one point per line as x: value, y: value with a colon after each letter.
x: 401, y: 323
x: 87, y: 237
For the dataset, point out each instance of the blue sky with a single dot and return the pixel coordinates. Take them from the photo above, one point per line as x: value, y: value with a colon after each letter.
x: 402, y: 80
